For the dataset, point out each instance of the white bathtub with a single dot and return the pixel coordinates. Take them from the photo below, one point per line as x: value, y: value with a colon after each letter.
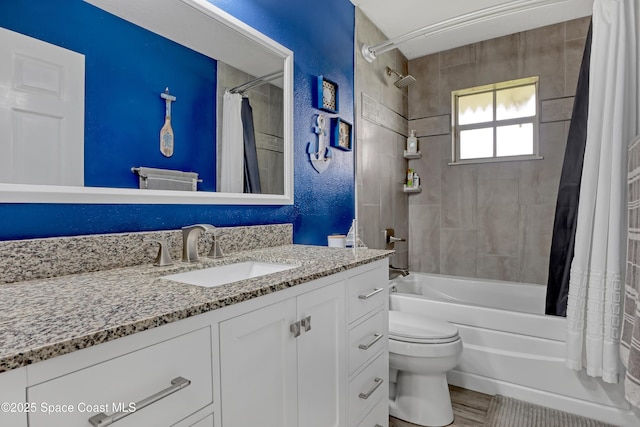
x: 510, y: 347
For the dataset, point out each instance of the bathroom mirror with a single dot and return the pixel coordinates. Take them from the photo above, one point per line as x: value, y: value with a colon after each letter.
x: 239, y: 53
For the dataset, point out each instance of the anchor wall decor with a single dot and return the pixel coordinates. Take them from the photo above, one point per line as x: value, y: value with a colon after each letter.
x: 320, y: 152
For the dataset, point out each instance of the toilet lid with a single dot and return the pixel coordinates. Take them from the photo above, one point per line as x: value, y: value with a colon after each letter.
x: 409, y: 327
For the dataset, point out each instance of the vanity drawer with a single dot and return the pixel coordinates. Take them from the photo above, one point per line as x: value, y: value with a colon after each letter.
x: 120, y: 384
x: 366, y: 292
x: 378, y: 417
x: 366, y: 340
x: 368, y: 388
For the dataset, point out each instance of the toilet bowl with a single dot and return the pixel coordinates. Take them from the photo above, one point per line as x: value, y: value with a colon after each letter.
x: 421, y: 351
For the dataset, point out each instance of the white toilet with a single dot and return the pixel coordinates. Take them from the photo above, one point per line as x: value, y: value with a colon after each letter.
x: 421, y: 351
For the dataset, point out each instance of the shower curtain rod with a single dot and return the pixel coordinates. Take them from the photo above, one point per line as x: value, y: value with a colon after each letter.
x: 256, y: 82
x: 371, y: 52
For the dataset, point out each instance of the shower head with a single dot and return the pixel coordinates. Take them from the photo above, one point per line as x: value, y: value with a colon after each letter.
x: 404, y: 80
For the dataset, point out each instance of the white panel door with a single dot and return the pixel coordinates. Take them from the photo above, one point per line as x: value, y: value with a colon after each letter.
x: 258, y: 368
x: 321, y: 358
x: 41, y: 112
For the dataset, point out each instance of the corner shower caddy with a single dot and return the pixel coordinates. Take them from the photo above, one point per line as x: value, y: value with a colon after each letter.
x: 412, y: 156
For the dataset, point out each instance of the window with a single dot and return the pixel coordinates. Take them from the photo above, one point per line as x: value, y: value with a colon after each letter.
x: 495, y: 122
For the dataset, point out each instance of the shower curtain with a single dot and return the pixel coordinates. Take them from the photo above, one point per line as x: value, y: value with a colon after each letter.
x: 251, y: 171
x: 630, y: 340
x: 595, y: 284
x: 566, y: 218
x: 231, y: 147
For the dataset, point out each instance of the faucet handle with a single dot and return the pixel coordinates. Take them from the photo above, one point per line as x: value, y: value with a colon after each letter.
x: 163, y: 258
x: 216, y: 250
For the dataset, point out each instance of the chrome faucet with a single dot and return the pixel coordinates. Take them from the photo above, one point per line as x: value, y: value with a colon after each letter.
x: 190, y: 241
x: 395, y: 272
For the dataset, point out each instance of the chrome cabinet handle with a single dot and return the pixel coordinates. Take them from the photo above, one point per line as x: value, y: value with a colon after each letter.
x: 370, y: 294
x: 306, y: 323
x: 102, y: 419
x: 295, y: 328
x: 378, y: 383
x: 376, y: 338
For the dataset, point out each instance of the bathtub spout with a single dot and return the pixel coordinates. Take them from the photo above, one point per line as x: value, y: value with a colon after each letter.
x: 395, y: 272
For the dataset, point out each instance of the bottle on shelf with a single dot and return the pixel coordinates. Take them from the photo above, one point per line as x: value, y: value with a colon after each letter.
x: 410, y: 177
x: 416, y: 180
x: 412, y: 143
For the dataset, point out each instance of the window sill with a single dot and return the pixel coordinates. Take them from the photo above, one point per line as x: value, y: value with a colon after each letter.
x: 495, y: 160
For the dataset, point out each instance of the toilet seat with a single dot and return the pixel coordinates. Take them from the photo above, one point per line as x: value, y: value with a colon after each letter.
x: 419, y: 329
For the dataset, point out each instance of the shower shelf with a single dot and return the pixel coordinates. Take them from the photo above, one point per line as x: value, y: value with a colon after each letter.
x: 408, y: 189
x: 408, y: 155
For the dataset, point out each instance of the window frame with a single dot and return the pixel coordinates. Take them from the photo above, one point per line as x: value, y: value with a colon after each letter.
x: 494, y: 123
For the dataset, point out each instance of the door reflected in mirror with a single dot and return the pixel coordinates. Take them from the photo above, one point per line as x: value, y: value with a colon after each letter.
x: 129, y: 55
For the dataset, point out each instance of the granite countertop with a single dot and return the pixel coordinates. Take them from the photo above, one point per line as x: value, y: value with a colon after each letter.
x: 41, y: 319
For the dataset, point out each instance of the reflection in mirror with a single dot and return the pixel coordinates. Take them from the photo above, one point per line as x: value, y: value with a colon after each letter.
x: 126, y: 68
x: 266, y: 100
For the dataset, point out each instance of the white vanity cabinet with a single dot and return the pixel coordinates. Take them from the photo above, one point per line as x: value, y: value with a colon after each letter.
x: 292, y: 358
x: 293, y: 377
x: 159, y: 385
x: 368, y: 344
x: 286, y: 362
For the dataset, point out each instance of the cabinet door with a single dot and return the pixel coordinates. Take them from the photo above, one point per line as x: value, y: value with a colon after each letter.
x: 258, y: 368
x: 321, y: 358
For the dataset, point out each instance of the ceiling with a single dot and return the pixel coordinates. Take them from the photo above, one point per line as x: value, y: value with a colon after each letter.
x: 398, y: 17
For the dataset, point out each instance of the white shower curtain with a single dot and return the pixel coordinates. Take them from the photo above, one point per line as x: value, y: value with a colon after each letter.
x: 232, y: 145
x: 595, y: 286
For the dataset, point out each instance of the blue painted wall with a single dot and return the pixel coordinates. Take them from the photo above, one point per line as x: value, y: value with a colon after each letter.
x: 322, y: 42
x: 126, y: 69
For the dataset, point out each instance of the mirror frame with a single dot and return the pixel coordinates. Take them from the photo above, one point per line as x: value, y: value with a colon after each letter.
x: 27, y: 193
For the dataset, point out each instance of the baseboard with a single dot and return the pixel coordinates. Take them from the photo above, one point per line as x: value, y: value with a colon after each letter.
x: 607, y: 414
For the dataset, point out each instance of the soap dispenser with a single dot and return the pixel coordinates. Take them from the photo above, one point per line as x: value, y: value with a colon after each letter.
x: 412, y: 143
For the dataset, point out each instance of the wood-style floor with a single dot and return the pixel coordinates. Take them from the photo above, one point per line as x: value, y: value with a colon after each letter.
x: 469, y: 409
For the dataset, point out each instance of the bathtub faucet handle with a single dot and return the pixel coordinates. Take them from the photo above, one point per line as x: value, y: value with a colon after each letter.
x: 390, y: 238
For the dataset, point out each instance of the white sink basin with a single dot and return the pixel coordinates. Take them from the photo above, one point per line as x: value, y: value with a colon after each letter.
x: 216, y: 276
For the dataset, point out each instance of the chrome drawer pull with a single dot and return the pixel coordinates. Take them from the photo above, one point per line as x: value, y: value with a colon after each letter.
x: 306, y: 323
x: 102, y: 419
x: 378, y: 383
x: 376, y: 338
x: 369, y: 295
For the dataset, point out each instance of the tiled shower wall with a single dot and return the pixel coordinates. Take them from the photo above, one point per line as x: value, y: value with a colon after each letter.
x: 381, y: 118
x: 490, y: 220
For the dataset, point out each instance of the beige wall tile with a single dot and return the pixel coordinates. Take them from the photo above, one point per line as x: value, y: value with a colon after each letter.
x: 498, y: 267
x: 369, y: 152
x: 454, y: 78
x: 381, y: 131
x: 577, y: 28
x: 498, y: 216
x: 369, y: 220
x: 543, y: 56
x: 431, y: 126
x: 424, y: 238
x: 459, y: 196
x: 536, y: 230
x: 458, y: 56
x: 574, y: 51
x: 423, y: 94
x: 428, y: 167
x: 498, y: 170
x: 539, y: 179
x: 554, y: 110
x: 497, y: 59
x: 458, y: 252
